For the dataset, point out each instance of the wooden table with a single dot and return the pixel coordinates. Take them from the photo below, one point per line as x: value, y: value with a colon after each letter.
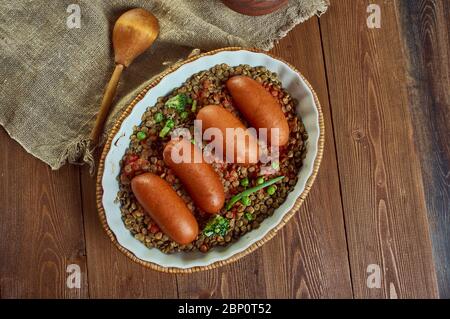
x: 381, y: 197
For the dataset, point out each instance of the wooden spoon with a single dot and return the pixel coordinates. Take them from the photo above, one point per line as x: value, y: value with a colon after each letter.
x: 134, y: 32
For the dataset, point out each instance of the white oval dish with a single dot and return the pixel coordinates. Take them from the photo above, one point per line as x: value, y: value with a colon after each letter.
x: 118, y: 141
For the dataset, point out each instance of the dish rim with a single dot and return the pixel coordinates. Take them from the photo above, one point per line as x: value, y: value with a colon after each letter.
x: 270, y: 234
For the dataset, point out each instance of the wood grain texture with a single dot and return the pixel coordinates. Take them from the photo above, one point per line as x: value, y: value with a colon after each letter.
x: 111, y: 273
x: 426, y: 34
x: 308, y: 257
x: 383, y: 198
x: 386, y: 112
x: 41, y: 230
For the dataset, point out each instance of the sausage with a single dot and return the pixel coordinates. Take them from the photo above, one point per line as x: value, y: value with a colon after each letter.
x: 245, y: 149
x: 259, y: 107
x: 166, y: 208
x: 198, y: 177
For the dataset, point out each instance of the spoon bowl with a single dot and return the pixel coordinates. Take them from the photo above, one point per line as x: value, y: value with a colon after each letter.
x: 134, y: 32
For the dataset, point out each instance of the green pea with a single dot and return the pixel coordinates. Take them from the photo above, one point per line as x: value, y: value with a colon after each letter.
x: 275, y: 165
x: 260, y: 180
x: 164, y: 131
x: 141, y: 136
x: 184, y: 115
x: 194, y: 106
x: 271, y: 190
x: 170, y: 123
x: 246, y: 201
x: 159, y: 117
x: 244, y: 182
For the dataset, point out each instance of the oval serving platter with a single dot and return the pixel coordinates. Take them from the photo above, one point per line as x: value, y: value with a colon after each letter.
x: 118, y: 141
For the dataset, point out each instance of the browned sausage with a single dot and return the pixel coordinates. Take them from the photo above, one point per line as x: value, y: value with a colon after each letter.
x: 259, y: 107
x: 166, y: 208
x: 201, y: 181
x: 245, y: 150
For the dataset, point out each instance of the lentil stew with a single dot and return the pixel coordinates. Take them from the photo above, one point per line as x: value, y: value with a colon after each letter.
x: 237, y: 217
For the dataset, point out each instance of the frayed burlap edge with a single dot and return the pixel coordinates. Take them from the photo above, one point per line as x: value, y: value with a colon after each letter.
x: 300, y: 18
x: 79, y: 152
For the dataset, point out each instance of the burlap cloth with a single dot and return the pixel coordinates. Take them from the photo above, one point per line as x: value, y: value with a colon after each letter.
x: 53, y: 77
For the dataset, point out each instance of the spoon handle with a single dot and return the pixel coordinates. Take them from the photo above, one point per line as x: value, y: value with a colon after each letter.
x: 108, y: 97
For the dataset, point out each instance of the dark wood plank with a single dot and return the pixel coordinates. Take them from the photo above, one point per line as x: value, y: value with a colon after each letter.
x: 426, y: 33
x: 111, y: 273
x: 41, y: 228
x: 308, y: 258
x: 382, y: 192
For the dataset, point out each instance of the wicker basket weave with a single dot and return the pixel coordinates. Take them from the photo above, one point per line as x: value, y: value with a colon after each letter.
x: 268, y: 236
